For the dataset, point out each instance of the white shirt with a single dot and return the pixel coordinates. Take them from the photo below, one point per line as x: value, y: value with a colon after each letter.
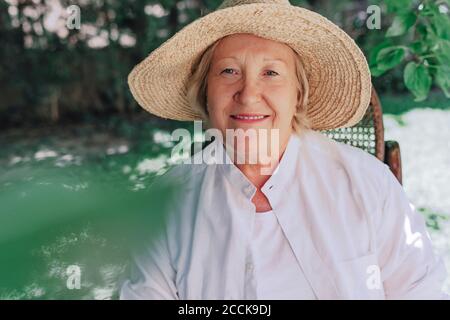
x: 277, y: 274
x: 346, y: 217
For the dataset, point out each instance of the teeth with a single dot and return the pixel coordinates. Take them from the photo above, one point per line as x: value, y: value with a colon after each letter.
x: 249, y: 117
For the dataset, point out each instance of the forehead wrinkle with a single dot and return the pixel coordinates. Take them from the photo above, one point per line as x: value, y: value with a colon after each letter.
x: 259, y: 45
x: 264, y: 59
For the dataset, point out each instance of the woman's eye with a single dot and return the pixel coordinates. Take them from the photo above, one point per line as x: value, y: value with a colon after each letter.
x: 273, y: 73
x: 228, y: 71
x: 231, y: 71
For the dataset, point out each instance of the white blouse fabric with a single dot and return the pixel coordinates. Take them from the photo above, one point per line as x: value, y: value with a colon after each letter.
x: 278, y: 276
x: 351, y: 228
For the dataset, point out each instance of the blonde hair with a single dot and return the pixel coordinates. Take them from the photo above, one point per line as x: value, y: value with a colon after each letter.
x: 196, y: 88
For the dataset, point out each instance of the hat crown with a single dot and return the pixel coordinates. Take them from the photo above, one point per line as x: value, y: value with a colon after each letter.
x: 233, y: 3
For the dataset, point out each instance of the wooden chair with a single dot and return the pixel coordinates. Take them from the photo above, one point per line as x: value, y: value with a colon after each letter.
x: 368, y: 135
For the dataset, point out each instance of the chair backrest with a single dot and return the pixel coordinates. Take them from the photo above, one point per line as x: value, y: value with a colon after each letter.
x: 368, y: 134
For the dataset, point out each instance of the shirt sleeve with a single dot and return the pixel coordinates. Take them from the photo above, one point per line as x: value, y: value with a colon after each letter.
x: 409, y: 268
x: 152, y: 276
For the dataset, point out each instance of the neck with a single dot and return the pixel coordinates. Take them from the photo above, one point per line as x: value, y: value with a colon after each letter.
x: 258, y: 173
x: 253, y: 172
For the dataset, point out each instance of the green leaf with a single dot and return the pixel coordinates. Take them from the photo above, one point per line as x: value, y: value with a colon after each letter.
x: 422, y: 30
x: 375, y: 72
x: 390, y: 57
x: 373, y: 53
x: 418, y: 47
x: 443, y: 52
x: 418, y: 80
x: 398, y: 5
x: 442, y: 78
x: 401, y: 24
x: 440, y: 23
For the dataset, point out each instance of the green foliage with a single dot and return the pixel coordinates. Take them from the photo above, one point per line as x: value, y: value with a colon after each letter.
x: 417, y: 80
x: 401, y: 24
x: 56, y: 75
x: 395, y: 104
x: 419, y: 39
x: 388, y: 58
x: 433, y: 219
x: 443, y: 79
x: 51, y: 76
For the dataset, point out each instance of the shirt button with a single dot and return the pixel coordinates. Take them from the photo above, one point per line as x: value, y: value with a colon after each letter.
x: 249, y: 267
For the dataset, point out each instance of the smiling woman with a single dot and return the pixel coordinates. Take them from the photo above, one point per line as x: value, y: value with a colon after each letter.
x: 290, y: 69
x: 249, y: 82
x: 329, y: 221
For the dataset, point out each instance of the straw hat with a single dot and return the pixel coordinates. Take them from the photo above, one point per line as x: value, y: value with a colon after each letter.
x: 336, y: 69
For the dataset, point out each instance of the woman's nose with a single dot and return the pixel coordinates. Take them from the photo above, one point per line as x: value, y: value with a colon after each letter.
x: 249, y: 93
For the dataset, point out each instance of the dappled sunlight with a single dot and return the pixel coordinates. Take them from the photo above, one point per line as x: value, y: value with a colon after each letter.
x: 163, y: 138
x: 44, y: 154
x: 425, y: 151
x: 151, y: 165
x: 68, y: 159
x: 117, y: 150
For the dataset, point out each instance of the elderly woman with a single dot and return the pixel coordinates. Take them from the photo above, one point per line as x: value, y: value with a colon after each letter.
x: 326, y: 220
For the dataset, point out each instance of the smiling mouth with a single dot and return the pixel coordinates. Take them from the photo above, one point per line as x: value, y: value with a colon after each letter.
x: 249, y: 117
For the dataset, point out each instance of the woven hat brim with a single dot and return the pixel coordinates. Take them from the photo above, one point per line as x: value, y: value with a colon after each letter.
x: 337, y: 71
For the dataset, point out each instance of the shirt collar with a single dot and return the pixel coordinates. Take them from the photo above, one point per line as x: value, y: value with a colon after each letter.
x: 281, y: 177
x: 275, y: 186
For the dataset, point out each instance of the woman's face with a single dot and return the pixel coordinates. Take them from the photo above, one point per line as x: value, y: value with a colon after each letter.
x: 252, y: 83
